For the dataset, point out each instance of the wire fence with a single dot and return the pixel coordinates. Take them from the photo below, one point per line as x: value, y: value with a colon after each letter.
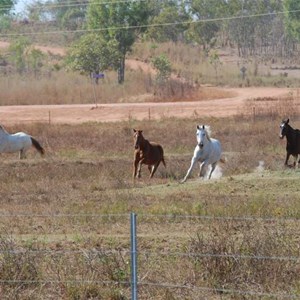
x: 144, y: 281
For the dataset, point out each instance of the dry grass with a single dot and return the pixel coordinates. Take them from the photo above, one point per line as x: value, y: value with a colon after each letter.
x: 191, y: 68
x: 87, y: 170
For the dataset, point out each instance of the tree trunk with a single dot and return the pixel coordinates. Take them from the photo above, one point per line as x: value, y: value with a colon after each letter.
x: 121, y: 71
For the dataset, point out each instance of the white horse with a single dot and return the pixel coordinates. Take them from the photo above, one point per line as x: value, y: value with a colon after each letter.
x: 20, y: 141
x: 207, y: 152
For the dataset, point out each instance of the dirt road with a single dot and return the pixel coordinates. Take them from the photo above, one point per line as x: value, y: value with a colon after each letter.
x: 73, y: 114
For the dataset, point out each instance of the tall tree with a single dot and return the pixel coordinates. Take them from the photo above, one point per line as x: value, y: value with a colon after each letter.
x: 120, y: 21
x: 92, y: 54
x: 6, y: 6
x: 172, y: 14
x: 292, y: 18
x: 68, y: 14
x: 204, y: 32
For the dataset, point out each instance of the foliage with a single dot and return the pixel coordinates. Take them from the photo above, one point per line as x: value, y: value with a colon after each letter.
x: 19, y: 50
x: 170, y: 14
x: 35, y: 60
x: 204, y: 32
x: 163, y: 66
x: 292, y: 18
x: 93, y: 54
x: 25, y: 57
x: 5, y: 23
x: 111, y: 19
x: 70, y: 16
x: 214, y: 60
x: 6, y: 6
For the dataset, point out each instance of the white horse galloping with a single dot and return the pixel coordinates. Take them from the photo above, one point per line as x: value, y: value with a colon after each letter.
x: 20, y: 141
x: 207, y: 152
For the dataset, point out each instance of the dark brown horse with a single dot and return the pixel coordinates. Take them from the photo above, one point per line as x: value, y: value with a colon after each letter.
x: 146, y: 153
x: 292, y: 141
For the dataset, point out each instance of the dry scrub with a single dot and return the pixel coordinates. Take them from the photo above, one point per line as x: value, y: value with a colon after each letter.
x: 87, y: 174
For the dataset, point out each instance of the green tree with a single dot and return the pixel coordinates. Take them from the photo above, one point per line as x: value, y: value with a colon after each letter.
x: 162, y: 65
x: 204, y: 32
x: 92, y: 54
x: 111, y: 20
x: 292, y: 18
x: 35, y: 60
x: 6, y: 6
x: 18, y: 53
x: 172, y: 13
x: 69, y: 14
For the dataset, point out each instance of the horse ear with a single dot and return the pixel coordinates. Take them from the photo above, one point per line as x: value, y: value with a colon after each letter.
x: 134, y: 130
x: 287, y: 121
x: 198, y: 127
x: 203, y: 127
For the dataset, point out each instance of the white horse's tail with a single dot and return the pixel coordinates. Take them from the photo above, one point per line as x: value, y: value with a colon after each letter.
x: 37, y: 146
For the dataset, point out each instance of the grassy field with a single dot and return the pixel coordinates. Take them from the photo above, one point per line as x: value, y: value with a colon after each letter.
x: 220, y: 239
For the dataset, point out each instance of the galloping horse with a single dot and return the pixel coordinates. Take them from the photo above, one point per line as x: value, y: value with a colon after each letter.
x: 146, y: 153
x: 207, y: 152
x: 19, y: 141
x: 292, y: 141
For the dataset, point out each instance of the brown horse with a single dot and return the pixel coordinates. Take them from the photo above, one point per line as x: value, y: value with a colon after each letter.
x: 146, y: 153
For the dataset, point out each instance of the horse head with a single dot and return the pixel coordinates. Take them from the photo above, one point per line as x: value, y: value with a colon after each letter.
x: 202, y: 135
x: 137, y: 138
x: 284, y: 128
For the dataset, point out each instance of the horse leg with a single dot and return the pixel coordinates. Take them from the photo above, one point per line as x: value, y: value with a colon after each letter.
x: 194, y: 160
x: 203, y: 167
x: 135, y: 167
x: 213, y: 166
x: 154, y: 168
x: 139, y: 168
x: 150, y: 168
x: 22, y: 154
x: 287, y: 158
x: 295, y: 161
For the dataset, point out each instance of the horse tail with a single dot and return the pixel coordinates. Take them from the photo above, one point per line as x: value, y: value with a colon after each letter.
x: 37, y: 146
x: 163, y: 161
x: 162, y: 157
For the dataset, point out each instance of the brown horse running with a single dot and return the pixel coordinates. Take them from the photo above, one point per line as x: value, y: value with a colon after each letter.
x: 146, y: 153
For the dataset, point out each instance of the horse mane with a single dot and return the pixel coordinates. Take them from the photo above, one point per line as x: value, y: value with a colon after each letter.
x: 207, y: 129
x: 2, y: 128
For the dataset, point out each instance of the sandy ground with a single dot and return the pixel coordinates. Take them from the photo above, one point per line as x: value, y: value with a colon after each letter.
x: 73, y: 114
x: 119, y: 112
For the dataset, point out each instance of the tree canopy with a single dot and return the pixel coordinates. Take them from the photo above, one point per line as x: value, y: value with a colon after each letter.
x: 6, y: 6
x: 119, y: 21
x: 92, y: 54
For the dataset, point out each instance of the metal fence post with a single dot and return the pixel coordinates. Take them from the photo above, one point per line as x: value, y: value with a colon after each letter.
x: 133, y: 256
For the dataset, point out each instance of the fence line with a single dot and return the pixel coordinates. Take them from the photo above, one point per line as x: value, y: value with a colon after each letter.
x: 222, y: 218
x: 234, y: 256
x: 104, y: 282
x: 152, y: 284
x: 63, y: 215
x: 157, y: 253
x: 219, y: 290
x: 167, y: 216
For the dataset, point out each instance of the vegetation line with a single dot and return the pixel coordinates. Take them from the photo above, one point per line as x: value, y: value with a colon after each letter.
x: 151, y: 25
